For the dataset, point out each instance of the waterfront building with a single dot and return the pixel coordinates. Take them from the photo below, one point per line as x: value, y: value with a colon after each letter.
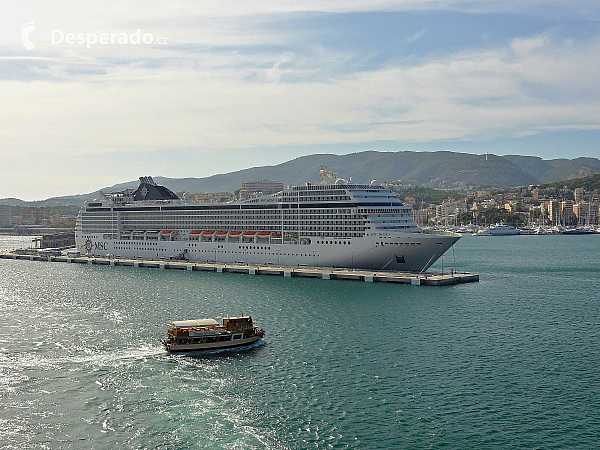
x: 447, y: 212
x: 578, y: 195
x: 265, y: 187
x: 585, y: 213
x: 30, y: 215
x: 566, y: 212
x: 5, y: 215
x: 553, y: 208
x: 211, y: 197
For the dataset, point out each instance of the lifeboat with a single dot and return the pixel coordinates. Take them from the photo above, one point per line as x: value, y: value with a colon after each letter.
x: 166, y: 232
x: 235, y: 233
x: 205, y: 233
x: 195, y: 232
x: 264, y: 233
x: 249, y: 233
x: 221, y: 233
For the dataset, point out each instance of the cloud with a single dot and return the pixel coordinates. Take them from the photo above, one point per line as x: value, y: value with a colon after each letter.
x: 232, y: 77
x: 524, y: 46
x: 242, y: 103
x: 415, y: 37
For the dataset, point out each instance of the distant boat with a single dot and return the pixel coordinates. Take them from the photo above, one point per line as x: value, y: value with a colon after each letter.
x: 498, y: 230
x: 580, y: 230
x: 527, y: 230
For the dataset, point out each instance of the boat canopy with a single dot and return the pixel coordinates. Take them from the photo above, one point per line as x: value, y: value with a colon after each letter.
x: 194, y: 323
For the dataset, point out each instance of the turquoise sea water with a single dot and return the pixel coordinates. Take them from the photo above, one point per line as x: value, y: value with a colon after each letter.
x: 509, y: 362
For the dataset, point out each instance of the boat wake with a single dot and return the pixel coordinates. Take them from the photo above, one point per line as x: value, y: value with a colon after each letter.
x: 127, y: 354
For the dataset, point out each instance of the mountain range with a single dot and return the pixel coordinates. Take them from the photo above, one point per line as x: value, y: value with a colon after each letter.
x: 441, y: 169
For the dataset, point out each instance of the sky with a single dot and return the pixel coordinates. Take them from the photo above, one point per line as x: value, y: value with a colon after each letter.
x: 222, y: 85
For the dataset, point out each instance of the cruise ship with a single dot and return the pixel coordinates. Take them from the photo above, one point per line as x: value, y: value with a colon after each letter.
x: 334, y: 223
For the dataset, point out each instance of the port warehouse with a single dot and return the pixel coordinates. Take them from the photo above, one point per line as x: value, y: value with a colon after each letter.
x: 325, y: 273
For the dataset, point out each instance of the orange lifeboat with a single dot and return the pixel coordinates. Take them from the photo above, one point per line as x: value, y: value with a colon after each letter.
x: 235, y: 233
x: 166, y: 232
x: 195, y: 232
x: 264, y: 233
x: 249, y: 233
x: 207, y: 232
x: 221, y: 233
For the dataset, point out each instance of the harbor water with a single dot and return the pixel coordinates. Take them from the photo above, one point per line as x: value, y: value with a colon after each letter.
x: 509, y: 362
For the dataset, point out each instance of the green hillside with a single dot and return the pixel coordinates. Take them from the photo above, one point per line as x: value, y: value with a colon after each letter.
x: 442, y: 169
x: 590, y: 183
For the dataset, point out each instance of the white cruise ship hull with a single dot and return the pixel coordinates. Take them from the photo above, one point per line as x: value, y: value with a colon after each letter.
x: 381, y: 251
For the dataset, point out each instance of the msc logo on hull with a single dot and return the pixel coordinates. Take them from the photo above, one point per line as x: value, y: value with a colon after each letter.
x: 89, y: 245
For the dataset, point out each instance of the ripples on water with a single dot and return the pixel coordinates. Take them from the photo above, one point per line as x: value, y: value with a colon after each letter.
x: 507, y: 362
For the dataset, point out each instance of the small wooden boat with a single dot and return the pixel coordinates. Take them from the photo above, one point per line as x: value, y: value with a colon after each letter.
x: 208, y: 334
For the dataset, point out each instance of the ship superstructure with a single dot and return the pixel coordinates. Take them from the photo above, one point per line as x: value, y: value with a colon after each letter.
x: 333, y: 223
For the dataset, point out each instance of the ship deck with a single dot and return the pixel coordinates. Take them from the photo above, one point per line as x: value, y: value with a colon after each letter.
x: 325, y: 273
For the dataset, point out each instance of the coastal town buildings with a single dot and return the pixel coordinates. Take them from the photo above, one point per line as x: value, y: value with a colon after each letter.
x: 586, y: 213
x: 5, y: 215
x: 449, y: 211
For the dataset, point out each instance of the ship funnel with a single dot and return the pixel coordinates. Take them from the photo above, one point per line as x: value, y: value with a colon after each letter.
x: 147, y: 180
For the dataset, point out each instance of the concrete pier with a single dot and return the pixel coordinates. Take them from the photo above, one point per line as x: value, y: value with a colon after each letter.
x: 324, y: 273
